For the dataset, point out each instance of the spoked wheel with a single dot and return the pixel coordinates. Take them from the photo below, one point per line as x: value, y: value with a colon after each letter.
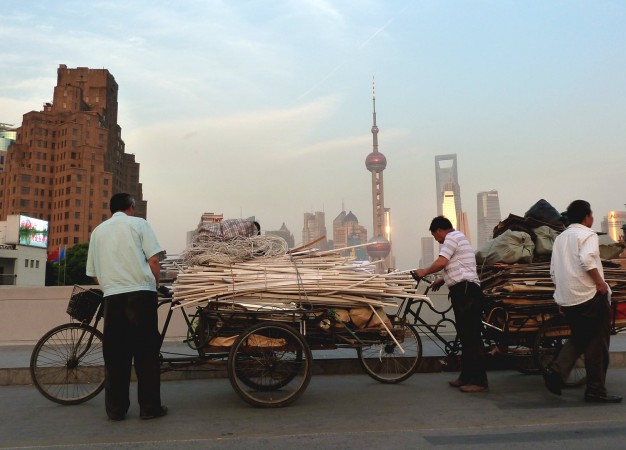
x: 67, y: 365
x: 550, y: 339
x: 386, y: 362
x: 270, y: 365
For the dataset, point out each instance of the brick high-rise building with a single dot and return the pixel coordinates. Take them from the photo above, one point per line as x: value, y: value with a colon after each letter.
x: 69, y: 158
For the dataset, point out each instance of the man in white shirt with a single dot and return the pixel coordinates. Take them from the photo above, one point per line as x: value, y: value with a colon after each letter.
x: 584, y: 297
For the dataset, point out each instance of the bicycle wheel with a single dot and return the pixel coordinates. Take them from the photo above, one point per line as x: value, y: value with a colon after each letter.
x: 67, y: 365
x: 385, y: 361
x: 549, y: 340
x: 270, y: 365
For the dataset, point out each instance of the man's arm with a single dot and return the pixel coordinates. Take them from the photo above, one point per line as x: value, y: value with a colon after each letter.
x: 153, y: 262
x: 440, y: 263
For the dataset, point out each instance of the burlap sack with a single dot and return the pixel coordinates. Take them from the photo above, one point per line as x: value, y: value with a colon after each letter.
x: 365, y: 318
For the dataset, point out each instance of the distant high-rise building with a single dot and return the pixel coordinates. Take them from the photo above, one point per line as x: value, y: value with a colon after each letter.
x: 376, y: 163
x: 428, y: 251
x: 463, y: 225
x: 448, y: 208
x: 69, y: 159
x: 447, y: 179
x: 284, y: 233
x: 7, y: 137
x: 488, y: 211
x: 613, y: 224
x: 348, y: 232
x: 315, y: 228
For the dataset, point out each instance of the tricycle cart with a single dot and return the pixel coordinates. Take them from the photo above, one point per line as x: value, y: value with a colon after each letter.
x: 266, y: 350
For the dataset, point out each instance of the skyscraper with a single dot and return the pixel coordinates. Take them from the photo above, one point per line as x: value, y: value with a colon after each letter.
x: 348, y: 232
x: 488, y: 211
x: 69, y: 159
x: 612, y: 224
x: 447, y: 179
x: 284, y: 233
x: 376, y: 162
x: 7, y: 137
x: 428, y: 251
x: 315, y: 228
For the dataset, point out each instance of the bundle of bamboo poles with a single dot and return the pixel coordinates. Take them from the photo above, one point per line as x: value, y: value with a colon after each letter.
x: 306, y: 278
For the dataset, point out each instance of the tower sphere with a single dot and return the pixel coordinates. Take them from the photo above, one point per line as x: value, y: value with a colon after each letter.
x: 376, y: 162
x: 378, y: 247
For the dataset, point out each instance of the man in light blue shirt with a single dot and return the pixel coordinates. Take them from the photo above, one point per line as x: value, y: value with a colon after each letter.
x: 124, y: 259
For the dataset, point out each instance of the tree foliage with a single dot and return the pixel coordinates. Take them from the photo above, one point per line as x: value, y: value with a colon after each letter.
x: 70, y: 270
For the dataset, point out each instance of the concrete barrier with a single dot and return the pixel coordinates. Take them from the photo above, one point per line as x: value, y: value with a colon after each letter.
x: 27, y: 313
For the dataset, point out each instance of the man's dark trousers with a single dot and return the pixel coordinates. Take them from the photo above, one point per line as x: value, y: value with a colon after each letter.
x: 590, y: 323
x: 467, y: 298
x: 131, y: 332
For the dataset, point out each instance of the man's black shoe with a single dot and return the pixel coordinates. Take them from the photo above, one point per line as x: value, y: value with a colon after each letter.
x: 595, y: 398
x: 158, y: 413
x: 552, y: 381
x: 117, y: 417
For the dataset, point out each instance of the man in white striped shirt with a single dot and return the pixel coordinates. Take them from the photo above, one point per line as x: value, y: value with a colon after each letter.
x: 584, y: 297
x: 458, y: 262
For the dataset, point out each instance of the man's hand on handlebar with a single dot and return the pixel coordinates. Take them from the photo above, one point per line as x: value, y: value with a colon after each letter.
x: 436, y: 284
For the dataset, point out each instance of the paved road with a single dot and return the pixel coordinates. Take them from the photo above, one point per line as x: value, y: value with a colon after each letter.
x: 336, y: 411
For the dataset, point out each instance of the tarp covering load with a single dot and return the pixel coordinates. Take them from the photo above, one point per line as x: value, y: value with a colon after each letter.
x: 508, y: 248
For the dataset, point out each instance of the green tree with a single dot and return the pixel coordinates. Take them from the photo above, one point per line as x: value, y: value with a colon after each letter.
x: 70, y: 270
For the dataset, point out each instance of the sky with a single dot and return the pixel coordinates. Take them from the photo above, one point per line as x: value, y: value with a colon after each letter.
x: 264, y: 107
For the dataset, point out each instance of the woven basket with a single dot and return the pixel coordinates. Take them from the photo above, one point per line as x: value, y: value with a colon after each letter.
x: 84, y: 303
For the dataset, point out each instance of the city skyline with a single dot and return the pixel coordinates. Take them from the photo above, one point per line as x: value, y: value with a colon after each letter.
x: 264, y: 109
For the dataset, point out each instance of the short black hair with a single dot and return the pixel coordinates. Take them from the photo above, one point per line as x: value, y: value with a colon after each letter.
x: 121, y: 202
x: 578, y: 210
x: 440, y: 223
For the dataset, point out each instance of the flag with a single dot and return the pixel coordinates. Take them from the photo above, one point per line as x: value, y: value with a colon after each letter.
x: 57, y: 255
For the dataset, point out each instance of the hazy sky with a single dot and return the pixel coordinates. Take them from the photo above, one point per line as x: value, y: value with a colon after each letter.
x: 264, y: 107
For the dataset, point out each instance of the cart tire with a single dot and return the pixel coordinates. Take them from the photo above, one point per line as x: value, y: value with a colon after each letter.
x: 67, y: 365
x: 272, y: 374
x: 386, y: 363
x: 548, y: 343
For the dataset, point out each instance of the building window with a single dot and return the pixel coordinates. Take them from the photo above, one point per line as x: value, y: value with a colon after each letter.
x: 26, y: 263
x: 37, y: 264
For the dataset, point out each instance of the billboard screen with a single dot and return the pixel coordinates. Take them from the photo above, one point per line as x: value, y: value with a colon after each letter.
x: 33, y: 232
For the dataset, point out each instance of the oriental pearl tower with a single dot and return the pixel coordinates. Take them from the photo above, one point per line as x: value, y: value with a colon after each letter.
x: 376, y: 162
